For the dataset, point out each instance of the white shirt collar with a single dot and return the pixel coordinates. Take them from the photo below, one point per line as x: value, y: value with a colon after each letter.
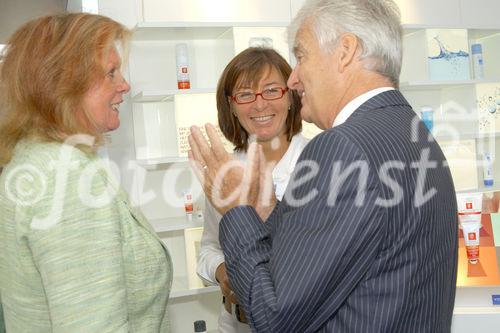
x: 353, y: 105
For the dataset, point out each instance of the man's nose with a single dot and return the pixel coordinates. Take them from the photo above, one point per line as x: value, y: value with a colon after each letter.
x: 293, y: 80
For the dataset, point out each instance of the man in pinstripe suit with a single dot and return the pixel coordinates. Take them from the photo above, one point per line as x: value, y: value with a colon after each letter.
x: 365, y: 239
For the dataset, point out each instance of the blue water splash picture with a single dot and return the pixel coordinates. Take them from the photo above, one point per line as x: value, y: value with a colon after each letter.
x: 448, y: 65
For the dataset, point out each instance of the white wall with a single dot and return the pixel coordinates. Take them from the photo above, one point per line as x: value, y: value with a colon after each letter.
x: 13, y: 13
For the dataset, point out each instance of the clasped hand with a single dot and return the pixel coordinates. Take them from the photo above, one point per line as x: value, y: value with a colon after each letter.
x: 227, y: 182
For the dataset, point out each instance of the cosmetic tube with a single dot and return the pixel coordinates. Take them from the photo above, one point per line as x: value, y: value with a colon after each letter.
x: 471, y: 237
x: 488, y: 178
x: 469, y: 216
x: 427, y: 116
x: 469, y: 207
x: 188, y: 204
x: 181, y: 59
x: 477, y: 61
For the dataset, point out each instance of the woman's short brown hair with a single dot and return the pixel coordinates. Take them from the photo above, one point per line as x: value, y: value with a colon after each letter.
x: 49, y: 64
x: 245, y: 70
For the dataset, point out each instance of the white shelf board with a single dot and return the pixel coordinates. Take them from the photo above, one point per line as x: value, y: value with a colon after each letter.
x: 473, y: 32
x: 180, y: 288
x: 469, y: 310
x: 191, y: 30
x: 471, y: 298
x: 175, y: 223
x: 167, y: 31
x: 414, y: 27
x: 482, y: 33
x: 482, y: 189
x: 468, y: 136
x: 436, y: 85
x: 195, y: 25
x: 191, y: 292
x: 155, y: 96
x: 151, y: 163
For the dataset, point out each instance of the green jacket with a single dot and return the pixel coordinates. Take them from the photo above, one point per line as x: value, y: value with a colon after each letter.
x: 2, y: 326
x: 76, y: 256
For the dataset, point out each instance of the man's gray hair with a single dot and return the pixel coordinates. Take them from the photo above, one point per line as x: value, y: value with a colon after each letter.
x: 376, y: 24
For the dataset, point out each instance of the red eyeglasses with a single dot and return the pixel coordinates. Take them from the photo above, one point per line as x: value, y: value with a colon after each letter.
x: 268, y: 94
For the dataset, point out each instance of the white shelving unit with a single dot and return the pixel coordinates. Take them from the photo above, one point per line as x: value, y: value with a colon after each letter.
x: 459, y: 122
x: 179, y: 30
x: 192, y: 30
x: 180, y: 289
x: 457, y: 118
x: 152, y: 163
x: 177, y: 223
x: 173, y: 227
x: 156, y: 96
x: 255, y: 11
x: 439, y: 85
x: 469, y: 136
x: 162, y: 114
x: 482, y: 189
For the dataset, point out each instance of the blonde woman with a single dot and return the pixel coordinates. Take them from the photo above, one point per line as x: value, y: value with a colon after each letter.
x: 75, y: 256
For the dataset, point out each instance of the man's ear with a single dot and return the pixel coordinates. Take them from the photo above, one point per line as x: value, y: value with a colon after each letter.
x: 348, y: 46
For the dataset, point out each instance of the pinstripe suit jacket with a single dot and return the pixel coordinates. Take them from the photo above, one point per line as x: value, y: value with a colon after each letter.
x: 345, y: 259
x: 99, y: 268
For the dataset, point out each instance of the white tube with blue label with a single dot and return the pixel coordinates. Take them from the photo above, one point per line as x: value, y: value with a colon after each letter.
x: 488, y: 177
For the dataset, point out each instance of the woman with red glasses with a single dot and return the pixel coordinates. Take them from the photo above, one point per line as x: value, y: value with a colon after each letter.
x: 254, y: 104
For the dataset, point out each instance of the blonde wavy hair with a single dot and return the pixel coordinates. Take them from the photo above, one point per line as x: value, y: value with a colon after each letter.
x: 49, y: 64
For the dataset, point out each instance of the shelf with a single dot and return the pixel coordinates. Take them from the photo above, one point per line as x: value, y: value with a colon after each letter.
x: 474, y: 33
x: 467, y: 136
x: 482, y: 33
x: 435, y: 85
x: 191, y: 292
x: 469, y: 310
x: 476, y: 298
x: 180, y: 289
x: 153, y: 96
x: 175, y: 223
x: 191, y: 30
x: 151, y: 163
x: 482, y: 189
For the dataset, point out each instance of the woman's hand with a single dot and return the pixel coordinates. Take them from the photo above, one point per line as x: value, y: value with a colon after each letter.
x: 226, y: 182
x: 225, y: 287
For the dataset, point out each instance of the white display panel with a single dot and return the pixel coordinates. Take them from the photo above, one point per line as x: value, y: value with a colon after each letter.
x: 432, y: 13
x: 216, y: 10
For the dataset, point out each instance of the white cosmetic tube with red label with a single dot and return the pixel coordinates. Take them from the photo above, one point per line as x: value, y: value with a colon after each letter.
x: 471, y: 237
x: 188, y: 204
x: 469, y: 216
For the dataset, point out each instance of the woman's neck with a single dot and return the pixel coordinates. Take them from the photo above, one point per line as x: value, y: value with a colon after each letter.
x: 275, y: 148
